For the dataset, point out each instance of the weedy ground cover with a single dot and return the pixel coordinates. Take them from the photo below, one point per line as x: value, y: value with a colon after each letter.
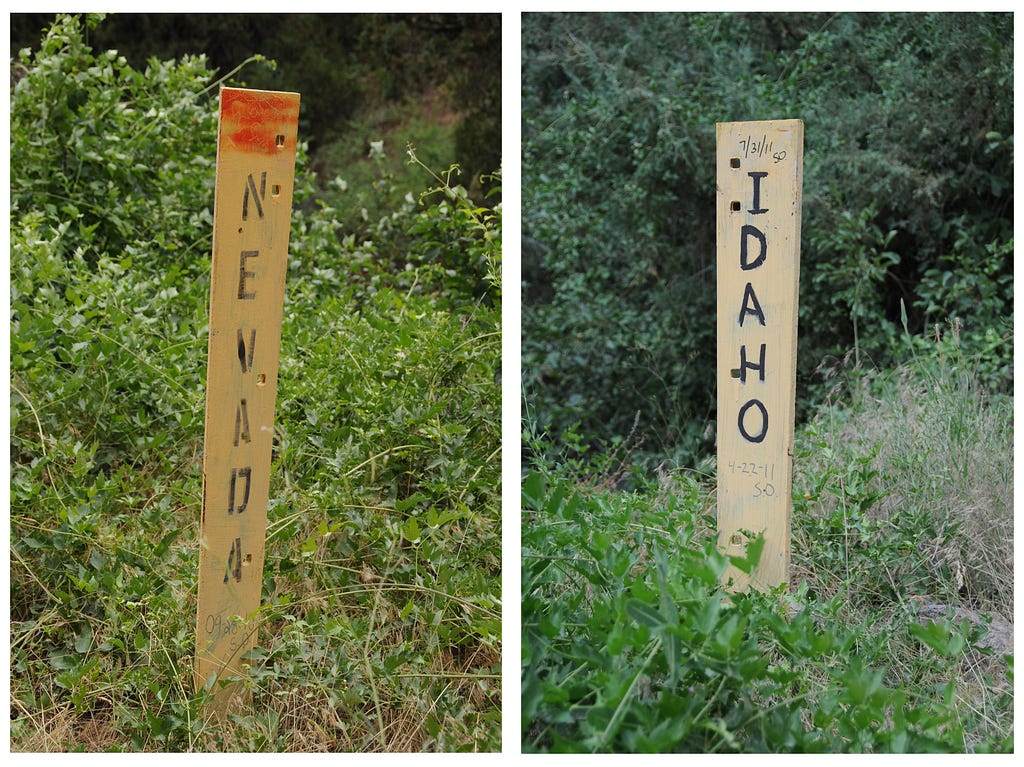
x: 894, y: 635
x: 380, y: 618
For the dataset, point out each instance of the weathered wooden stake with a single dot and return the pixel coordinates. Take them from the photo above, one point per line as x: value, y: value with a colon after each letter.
x: 760, y: 189
x: 252, y: 216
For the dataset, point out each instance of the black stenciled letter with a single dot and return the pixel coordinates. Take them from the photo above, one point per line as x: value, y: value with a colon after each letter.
x: 746, y: 232
x: 757, y: 176
x: 750, y: 297
x: 234, y: 568
x: 246, y: 474
x: 764, y: 421
x: 759, y: 367
x: 243, y: 274
x: 257, y: 196
x: 242, y: 422
x: 245, y: 358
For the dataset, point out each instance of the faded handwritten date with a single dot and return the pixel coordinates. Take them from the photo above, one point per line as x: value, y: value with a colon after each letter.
x: 754, y: 147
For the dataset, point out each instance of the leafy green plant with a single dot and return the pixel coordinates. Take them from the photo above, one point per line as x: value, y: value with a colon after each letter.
x: 892, y: 635
x: 380, y: 618
x: 855, y: 280
x: 630, y: 643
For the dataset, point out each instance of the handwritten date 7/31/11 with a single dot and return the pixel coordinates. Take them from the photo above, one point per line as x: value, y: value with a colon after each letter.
x: 753, y: 147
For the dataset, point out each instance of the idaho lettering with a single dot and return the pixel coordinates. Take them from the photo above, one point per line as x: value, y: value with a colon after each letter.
x: 759, y: 367
x: 760, y: 435
x: 745, y: 233
x: 751, y: 306
x: 757, y: 176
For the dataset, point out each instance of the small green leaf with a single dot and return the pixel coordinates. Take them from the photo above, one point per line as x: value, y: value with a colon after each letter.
x: 533, y: 491
x: 411, y: 530
x: 97, y: 560
x: 550, y: 625
x: 748, y: 562
x: 938, y: 636
x: 670, y: 646
x: 83, y: 642
x: 63, y: 661
x: 644, y: 614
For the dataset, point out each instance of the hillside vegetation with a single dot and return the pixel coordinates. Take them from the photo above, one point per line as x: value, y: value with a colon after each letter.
x: 907, y: 202
x: 380, y: 618
x: 894, y: 633
x: 894, y: 630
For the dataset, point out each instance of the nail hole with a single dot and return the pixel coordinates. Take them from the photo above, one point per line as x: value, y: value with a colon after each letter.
x: 735, y: 372
x: 734, y: 162
x: 735, y: 204
x: 248, y: 560
x: 279, y: 141
x: 261, y: 379
x: 736, y: 539
x: 275, y: 191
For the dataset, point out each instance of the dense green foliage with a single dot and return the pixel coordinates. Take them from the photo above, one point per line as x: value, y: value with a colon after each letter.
x: 381, y: 603
x: 894, y: 631
x: 344, y: 65
x: 908, y: 201
x: 892, y: 636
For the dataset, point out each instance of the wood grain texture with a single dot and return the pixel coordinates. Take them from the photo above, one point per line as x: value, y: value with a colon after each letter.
x: 759, y: 195
x: 252, y: 216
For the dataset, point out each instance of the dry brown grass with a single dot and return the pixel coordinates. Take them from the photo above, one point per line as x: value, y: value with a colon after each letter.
x: 943, y: 452
x: 941, y: 444
x: 60, y: 728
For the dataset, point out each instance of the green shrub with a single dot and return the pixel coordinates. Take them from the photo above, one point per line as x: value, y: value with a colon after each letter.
x: 630, y: 643
x: 918, y: 465
x: 907, y: 197
x: 381, y: 606
x: 893, y: 634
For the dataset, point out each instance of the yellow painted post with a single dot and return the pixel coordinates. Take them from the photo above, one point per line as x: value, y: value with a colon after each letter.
x: 252, y: 215
x: 760, y: 189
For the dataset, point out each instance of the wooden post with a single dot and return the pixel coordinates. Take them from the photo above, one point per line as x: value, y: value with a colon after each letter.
x: 252, y: 216
x: 760, y: 188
